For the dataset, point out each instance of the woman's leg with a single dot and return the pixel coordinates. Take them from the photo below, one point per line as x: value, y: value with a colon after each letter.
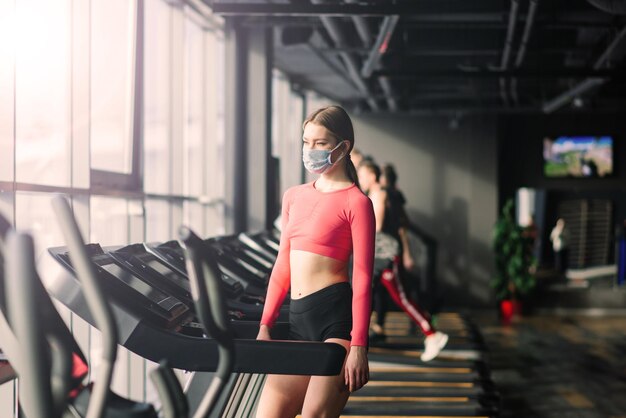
x: 393, y: 285
x: 327, y: 395
x: 282, y: 396
x: 380, y: 306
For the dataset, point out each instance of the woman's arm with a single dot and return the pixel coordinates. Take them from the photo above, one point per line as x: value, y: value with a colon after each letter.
x: 379, y: 198
x: 407, y: 258
x: 280, y: 278
x: 363, y: 227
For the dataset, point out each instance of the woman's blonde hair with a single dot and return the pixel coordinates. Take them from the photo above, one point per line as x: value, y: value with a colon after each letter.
x: 337, y: 121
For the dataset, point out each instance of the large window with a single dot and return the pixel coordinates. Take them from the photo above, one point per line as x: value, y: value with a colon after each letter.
x: 157, y: 95
x: 287, y: 118
x: 118, y: 105
x: 112, y: 84
x: 42, y: 97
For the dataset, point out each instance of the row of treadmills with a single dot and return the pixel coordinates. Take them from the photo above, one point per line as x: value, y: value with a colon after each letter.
x: 195, y: 305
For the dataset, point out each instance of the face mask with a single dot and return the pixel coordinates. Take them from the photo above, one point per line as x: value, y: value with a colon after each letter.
x: 317, y: 161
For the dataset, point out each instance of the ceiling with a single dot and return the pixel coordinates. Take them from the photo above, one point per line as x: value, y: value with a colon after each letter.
x: 449, y: 56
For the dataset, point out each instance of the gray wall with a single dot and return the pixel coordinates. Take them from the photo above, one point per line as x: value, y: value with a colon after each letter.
x: 449, y: 177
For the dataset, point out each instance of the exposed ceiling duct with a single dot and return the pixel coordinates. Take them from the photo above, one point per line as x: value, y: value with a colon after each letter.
x: 380, y: 46
x: 350, y: 62
x: 499, y: 55
x: 365, y: 34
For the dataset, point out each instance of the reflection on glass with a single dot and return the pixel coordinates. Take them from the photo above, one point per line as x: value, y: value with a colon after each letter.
x: 42, y: 101
x: 157, y: 97
x: 109, y: 221
x: 112, y: 50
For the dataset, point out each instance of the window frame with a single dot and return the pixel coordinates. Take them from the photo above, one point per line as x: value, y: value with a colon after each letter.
x: 133, y: 181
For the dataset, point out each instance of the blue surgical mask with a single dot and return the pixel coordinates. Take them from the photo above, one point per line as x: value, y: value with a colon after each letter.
x: 317, y: 161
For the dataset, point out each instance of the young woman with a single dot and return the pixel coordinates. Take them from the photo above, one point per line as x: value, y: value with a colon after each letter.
x: 390, y: 226
x: 323, y: 224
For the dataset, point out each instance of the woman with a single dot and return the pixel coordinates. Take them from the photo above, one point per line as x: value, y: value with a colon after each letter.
x: 323, y: 224
x: 391, y: 241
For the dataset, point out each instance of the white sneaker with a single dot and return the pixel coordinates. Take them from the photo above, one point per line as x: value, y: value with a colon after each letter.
x: 433, y: 344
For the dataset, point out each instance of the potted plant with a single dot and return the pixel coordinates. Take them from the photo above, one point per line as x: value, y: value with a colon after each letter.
x: 514, y: 260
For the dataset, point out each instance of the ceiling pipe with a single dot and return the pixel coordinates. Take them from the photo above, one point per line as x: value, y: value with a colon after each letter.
x: 508, y: 43
x: 385, y: 84
x: 588, y: 84
x: 365, y: 34
x: 521, y: 52
x: 380, y: 46
x: 614, y: 7
x: 350, y: 62
x: 378, y: 49
x: 362, y: 27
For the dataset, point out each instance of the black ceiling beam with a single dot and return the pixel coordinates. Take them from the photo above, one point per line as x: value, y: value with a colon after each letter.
x: 309, y: 9
x: 518, y: 73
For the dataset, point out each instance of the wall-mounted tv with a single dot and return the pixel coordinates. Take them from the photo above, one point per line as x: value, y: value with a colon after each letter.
x: 578, y: 156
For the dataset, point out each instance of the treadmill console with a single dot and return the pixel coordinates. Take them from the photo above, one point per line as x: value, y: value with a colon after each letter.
x: 129, y: 289
x: 172, y: 254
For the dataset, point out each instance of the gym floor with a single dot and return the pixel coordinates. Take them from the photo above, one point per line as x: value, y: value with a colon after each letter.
x: 548, y: 366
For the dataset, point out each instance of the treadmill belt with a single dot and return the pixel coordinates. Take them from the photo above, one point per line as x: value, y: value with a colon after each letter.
x: 455, y: 384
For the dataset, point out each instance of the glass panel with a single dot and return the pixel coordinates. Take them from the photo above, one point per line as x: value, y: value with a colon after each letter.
x: 42, y: 98
x: 112, y: 51
x: 7, y: 61
x: 214, y: 220
x: 109, y: 221
x: 33, y: 213
x: 157, y: 74
x: 214, y: 117
x: 193, y: 163
x: 193, y: 217
x: 287, y: 131
x: 158, y: 220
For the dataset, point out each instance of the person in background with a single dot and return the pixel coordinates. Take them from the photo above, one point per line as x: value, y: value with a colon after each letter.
x: 397, y: 219
x: 389, y: 223
x: 559, y: 237
x: 356, y: 156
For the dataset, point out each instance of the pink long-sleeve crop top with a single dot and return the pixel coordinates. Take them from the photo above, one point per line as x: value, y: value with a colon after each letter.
x: 334, y: 224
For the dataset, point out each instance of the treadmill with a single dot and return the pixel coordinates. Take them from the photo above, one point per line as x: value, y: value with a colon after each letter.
x: 158, y: 326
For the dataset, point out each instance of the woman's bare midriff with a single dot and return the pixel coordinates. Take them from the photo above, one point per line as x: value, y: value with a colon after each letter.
x: 311, y: 272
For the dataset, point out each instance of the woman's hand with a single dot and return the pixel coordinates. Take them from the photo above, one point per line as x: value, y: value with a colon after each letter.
x: 264, y: 333
x: 356, y: 370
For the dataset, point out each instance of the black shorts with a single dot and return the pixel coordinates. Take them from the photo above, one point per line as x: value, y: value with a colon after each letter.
x: 324, y: 314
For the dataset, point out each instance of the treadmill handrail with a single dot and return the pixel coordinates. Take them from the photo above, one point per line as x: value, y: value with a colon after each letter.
x: 98, y: 306
x: 33, y: 364
x: 204, y: 275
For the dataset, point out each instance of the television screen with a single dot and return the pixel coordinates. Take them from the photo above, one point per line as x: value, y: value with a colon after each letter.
x: 578, y: 156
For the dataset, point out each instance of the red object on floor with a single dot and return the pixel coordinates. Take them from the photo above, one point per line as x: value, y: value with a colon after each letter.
x: 508, y: 309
